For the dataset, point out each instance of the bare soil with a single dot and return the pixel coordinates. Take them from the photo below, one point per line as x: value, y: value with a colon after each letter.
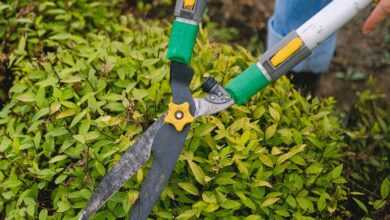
x: 359, y: 53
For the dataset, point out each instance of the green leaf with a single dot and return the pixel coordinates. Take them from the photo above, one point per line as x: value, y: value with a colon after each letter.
x: 242, y: 167
x: 276, y: 151
x: 115, y: 107
x: 266, y: 160
x: 31, y: 204
x: 58, y: 158
x: 60, y: 179
x: 21, y: 50
x: 188, y: 214
x: 282, y: 212
x: 189, y: 187
x: 43, y: 214
x: 336, y: 172
x: 63, y: 205
x: 26, y: 97
x: 230, y: 204
x: 292, y: 152
x: 253, y: 217
x: 61, y: 36
x: 197, y: 172
x: 287, y: 135
x: 100, y: 168
x: 385, y: 188
x: 209, y: 197
x: 66, y: 113
x: 41, y: 113
x: 5, y: 144
x: 270, y: 131
x: 291, y: 201
x: 140, y: 94
x: 78, y: 117
x: 361, y: 205
x: 61, y: 131
x: 321, y: 202
x: 51, y: 81
x: 260, y: 183
x: 259, y: 112
x: 269, y: 201
x: 274, y: 114
x: 305, y: 203
x: 88, y: 137
x: 378, y: 204
x: 246, y: 201
x: 71, y: 79
x: 297, y: 159
x: 315, y: 168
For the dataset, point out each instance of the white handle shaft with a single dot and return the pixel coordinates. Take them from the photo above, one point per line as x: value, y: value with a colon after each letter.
x: 326, y: 22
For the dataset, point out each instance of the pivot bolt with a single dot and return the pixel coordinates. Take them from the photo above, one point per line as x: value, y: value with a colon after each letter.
x: 179, y: 115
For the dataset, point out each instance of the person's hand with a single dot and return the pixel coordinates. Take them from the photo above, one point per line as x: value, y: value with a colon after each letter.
x: 377, y: 16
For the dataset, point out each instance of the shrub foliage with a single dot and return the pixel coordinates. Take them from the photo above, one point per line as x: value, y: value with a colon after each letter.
x: 89, y: 80
x: 368, y: 155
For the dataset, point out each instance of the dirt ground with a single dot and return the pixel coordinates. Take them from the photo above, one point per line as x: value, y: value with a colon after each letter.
x: 358, y: 57
x: 358, y: 53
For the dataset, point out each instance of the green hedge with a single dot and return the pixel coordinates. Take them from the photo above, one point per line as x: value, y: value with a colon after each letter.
x: 82, y: 95
x: 367, y: 158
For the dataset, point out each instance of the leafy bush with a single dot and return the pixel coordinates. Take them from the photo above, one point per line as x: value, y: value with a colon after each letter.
x: 42, y: 19
x: 154, y: 8
x: 77, y: 105
x: 368, y: 155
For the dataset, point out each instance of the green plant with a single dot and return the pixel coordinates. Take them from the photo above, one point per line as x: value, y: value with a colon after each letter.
x: 368, y: 160
x: 43, y: 20
x: 156, y: 9
x: 77, y: 105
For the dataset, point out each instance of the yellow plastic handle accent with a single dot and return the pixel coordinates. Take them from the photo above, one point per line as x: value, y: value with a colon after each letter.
x: 286, y: 52
x: 189, y: 4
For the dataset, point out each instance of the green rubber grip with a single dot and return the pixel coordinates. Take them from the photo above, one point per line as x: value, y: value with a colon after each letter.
x: 247, y: 84
x: 182, y: 41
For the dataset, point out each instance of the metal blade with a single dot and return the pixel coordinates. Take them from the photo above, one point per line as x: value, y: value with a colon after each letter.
x: 167, y: 146
x: 217, y: 100
x: 131, y: 161
x: 166, y: 149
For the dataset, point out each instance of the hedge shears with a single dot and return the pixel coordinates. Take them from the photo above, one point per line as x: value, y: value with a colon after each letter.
x: 165, y: 138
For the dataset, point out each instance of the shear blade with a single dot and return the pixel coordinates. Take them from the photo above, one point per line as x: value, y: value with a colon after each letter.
x: 131, y: 161
x: 166, y: 144
x: 166, y: 150
x: 166, y: 147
